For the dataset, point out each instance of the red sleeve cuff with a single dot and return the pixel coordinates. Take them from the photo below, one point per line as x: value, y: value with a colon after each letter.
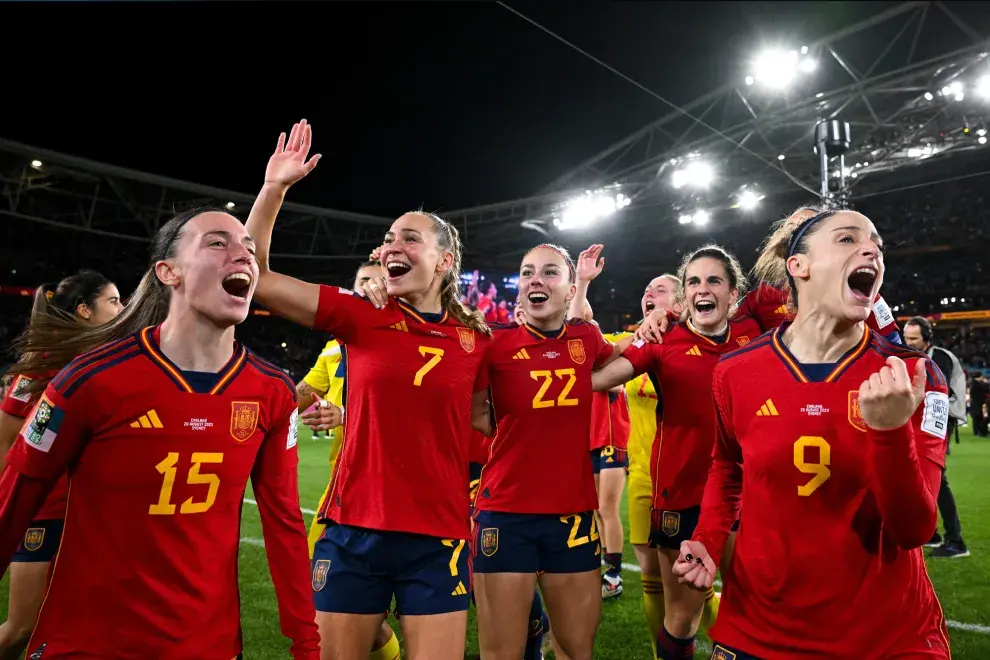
x: 901, y: 436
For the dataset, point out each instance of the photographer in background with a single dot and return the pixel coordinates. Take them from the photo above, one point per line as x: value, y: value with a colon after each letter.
x: 918, y: 335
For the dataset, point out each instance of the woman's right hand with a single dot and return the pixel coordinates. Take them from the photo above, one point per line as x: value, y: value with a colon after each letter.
x: 374, y: 290
x: 590, y: 263
x: 694, y: 567
x: 653, y: 327
x: 289, y: 164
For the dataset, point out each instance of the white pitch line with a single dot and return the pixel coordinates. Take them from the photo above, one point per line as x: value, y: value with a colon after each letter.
x: 958, y: 625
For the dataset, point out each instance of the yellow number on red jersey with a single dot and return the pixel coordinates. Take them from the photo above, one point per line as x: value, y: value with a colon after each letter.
x: 437, y: 355
x: 546, y: 376
x: 167, y: 468
x: 819, y: 469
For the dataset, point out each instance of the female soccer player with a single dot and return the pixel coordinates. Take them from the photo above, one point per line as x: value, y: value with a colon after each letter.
x: 529, y: 520
x: 711, y: 281
x: 90, y: 299
x: 159, y: 430
x: 838, y: 438
x: 399, y: 502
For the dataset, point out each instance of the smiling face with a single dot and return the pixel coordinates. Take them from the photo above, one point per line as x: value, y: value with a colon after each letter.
x: 412, y: 258
x: 660, y: 293
x: 708, y: 293
x: 545, y: 287
x: 841, y: 269
x: 213, y: 270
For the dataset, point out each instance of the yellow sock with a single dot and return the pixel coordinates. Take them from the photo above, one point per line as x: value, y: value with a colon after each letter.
x: 710, y: 611
x: 653, y: 606
x: 388, y: 652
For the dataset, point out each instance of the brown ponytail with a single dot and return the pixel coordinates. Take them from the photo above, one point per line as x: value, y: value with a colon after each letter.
x: 771, y: 265
x: 53, y: 340
x: 450, y: 288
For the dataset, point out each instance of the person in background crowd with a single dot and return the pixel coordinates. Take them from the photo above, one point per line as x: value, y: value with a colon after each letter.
x: 918, y: 335
x: 979, y: 389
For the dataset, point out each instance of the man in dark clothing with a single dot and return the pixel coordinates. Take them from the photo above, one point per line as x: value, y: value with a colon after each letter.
x: 918, y: 335
x: 979, y: 389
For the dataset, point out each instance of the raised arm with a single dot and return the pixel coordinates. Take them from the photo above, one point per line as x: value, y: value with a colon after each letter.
x: 589, y: 266
x: 275, y: 479
x: 294, y: 299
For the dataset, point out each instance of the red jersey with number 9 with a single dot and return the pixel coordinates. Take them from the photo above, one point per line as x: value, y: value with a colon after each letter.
x: 411, y: 378
x: 821, y: 566
x: 541, y: 393
x: 157, y: 471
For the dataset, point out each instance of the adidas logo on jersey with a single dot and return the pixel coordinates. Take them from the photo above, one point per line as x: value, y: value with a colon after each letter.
x: 149, y: 420
x: 521, y: 355
x: 459, y: 590
x: 782, y: 310
x: 401, y: 326
x: 767, y: 410
x: 694, y: 350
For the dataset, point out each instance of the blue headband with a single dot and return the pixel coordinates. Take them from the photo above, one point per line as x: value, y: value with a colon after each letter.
x: 803, y: 229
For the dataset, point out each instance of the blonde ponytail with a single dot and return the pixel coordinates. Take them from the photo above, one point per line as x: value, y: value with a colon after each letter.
x: 771, y: 265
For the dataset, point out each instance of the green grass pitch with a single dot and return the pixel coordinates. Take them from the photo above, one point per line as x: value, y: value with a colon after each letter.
x: 963, y: 585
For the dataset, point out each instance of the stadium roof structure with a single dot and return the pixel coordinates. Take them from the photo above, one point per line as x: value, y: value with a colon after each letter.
x: 911, y: 93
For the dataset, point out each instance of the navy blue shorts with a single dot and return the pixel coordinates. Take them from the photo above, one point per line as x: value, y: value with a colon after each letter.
x: 535, y: 543
x: 41, y: 541
x: 670, y: 527
x: 723, y: 652
x: 357, y: 571
x: 609, y: 457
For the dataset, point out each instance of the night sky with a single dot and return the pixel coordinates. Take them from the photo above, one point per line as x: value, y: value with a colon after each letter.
x: 444, y: 105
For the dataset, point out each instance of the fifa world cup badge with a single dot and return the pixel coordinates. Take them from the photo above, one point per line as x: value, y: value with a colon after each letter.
x: 575, y: 348
x: 855, y: 412
x: 244, y: 419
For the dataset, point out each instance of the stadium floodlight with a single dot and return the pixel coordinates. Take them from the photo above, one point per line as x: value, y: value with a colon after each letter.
x: 697, y: 174
x: 36, y: 164
x: 230, y: 205
x: 781, y: 157
x: 954, y: 89
x: 982, y: 139
x: 748, y: 199
x: 983, y: 87
x: 590, y: 207
x: 776, y: 69
x: 685, y: 219
x: 701, y: 217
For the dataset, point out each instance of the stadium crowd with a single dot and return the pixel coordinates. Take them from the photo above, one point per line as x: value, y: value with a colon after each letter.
x: 507, y: 374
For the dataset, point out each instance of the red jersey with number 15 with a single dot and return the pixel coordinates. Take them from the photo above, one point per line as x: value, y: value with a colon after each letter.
x: 18, y: 403
x: 541, y: 393
x: 683, y: 366
x: 410, y: 378
x: 820, y: 567
x: 158, y: 467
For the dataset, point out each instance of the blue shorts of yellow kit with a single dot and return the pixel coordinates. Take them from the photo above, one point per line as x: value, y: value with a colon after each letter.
x: 535, y: 543
x: 40, y: 542
x: 609, y: 457
x: 358, y: 571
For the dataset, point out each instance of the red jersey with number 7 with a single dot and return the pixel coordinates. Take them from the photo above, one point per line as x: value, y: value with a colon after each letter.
x: 410, y: 383
x: 541, y: 394
x: 158, y: 462
x: 827, y: 561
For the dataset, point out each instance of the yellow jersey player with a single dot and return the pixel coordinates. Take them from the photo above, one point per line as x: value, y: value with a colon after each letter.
x: 325, y: 385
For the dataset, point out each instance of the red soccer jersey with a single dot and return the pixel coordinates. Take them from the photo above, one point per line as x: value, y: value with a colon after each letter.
x: 18, y: 403
x: 610, y: 420
x: 480, y: 447
x: 157, y: 471
x: 541, y: 393
x: 682, y: 449
x: 827, y: 562
x: 410, y: 383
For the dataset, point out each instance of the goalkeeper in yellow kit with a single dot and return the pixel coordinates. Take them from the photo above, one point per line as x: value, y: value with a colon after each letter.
x: 325, y: 386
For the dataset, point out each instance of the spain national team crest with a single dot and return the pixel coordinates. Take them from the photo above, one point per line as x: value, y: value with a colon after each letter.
x: 721, y: 653
x: 489, y: 541
x: 670, y: 523
x: 855, y: 412
x: 34, y: 538
x: 466, y: 335
x: 742, y: 341
x: 575, y: 348
x: 320, y: 570
x: 244, y: 419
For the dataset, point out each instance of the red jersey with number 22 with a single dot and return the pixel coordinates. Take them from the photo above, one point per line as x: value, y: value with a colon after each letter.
x: 18, y: 403
x: 410, y: 382
x: 541, y: 393
x: 820, y: 568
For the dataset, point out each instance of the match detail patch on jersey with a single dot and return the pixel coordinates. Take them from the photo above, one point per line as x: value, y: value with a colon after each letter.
x: 244, y: 419
x: 41, y: 431
x: 935, y: 418
x: 293, y: 436
x: 881, y: 310
x: 18, y: 392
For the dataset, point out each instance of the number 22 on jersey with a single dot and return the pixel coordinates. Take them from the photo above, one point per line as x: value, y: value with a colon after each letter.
x: 546, y: 378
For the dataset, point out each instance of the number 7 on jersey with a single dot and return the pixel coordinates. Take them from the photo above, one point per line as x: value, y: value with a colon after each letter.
x: 435, y: 355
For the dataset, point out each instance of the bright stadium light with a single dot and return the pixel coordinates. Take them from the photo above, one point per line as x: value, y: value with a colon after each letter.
x: 685, y: 219
x: 701, y: 217
x: 983, y: 87
x: 590, y: 207
x: 982, y: 139
x: 748, y: 199
x: 928, y: 96
x: 696, y: 174
x: 36, y: 164
x: 776, y: 69
x: 230, y: 205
